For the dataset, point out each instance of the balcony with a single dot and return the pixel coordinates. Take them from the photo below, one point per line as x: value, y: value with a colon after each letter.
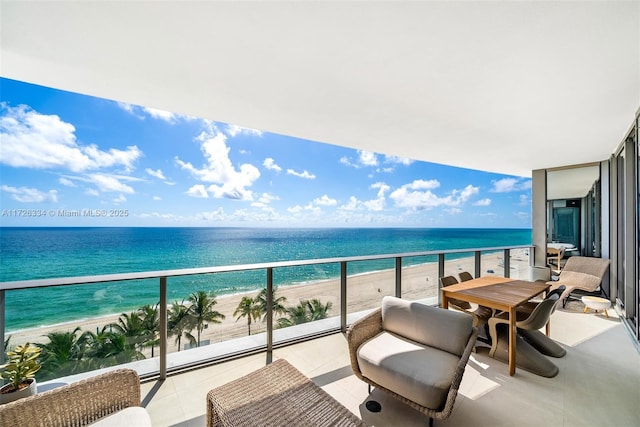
x: 597, y: 383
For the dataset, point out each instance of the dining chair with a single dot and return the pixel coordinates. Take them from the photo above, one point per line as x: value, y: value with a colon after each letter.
x: 464, y: 276
x: 529, y: 351
x: 480, y: 313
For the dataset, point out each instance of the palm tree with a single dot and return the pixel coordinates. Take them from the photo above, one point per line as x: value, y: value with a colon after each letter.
x: 62, y: 354
x: 201, y: 310
x: 318, y: 310
x: 178, y: 323
x: 151, y: 322
x: 108, y: 348
x: 133, y: 328
x: 248, y: 308
x: 305, y: 311
x: 277, y: 307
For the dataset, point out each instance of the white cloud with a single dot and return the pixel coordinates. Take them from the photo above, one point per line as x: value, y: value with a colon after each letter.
x: 162, y: 115
x: 304, y: 174
x: 506, y: 185
x: 375, y: 204
x: 30, y: 195
x: 155, y: 173
x: 199, y: 191
x: 345, y: 161
x: 399, y: 160
x: 267, y: 198
x: 483, y: 202
x: 418, y: 195
x: 218, y: 170
x: 157, y: 198
x: 38, y: 141
x: 215, y: 215
x: 66, y: 182
x: 367, y: 158
x: 110, y: 183
x: 307, y: 209
x: 325, y: 201
x: 233, y: 131
x: 120, y: 199
x: 453, y: 211
x: 382, y: 188
x: 352, y: 205
x: 142, y: 113
x: 270, y: 164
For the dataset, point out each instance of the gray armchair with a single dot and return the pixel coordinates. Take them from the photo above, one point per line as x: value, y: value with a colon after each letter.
x: 415, y: 352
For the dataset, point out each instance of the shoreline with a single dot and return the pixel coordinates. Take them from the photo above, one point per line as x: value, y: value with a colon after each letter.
x: 364, y: 291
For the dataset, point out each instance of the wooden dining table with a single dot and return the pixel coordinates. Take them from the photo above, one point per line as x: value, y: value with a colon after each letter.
x: 500, y: 293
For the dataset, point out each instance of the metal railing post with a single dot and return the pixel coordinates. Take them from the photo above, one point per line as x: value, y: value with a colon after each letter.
x: 2, y: 326
x: 269, y: 315
x: 507, y: 262
x: 440, y: 274
x: 399, y: 277
x: 343, y: 296
x: 163, y: 328
x: 477, y: 261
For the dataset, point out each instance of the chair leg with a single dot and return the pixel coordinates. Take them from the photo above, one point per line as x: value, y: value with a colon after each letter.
x: 430, y: 421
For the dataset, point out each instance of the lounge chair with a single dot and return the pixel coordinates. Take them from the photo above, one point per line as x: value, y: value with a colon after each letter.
x: 581, y: 276
x: 415, y: 352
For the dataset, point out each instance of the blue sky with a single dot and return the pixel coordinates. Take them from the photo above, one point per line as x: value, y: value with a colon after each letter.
x: 73, y: 160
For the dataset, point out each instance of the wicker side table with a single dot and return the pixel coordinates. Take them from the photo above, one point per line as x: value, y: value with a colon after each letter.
x: 275, y: 395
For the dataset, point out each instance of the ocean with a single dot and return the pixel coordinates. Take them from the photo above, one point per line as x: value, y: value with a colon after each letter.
x: 38, y: 253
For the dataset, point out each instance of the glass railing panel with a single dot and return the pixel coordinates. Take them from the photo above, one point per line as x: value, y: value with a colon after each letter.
x: 420, y: 277
x: 368, y: 282
x: 458, y: 262
x: 519, y: 264
x: 85, y: 327
x: 492, y: 263
x: 207, y: 309
x: 306, y: 300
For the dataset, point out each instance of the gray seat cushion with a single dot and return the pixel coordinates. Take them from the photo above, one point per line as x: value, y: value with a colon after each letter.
x: 418, y: 372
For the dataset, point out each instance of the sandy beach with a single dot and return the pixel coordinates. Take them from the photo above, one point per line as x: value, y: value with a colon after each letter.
x: 364, y: 291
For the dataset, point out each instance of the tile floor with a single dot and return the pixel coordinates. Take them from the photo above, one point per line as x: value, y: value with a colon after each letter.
x: 598, y: 383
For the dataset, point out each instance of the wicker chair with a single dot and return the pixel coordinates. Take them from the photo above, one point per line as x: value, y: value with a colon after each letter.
x: 414, y: 352
x: 101, y: 399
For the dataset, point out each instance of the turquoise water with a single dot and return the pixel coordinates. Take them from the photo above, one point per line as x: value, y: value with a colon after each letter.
x: 39, y: 253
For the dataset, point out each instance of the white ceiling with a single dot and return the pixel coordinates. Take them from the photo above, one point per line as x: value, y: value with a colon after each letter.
x: 499, y: 86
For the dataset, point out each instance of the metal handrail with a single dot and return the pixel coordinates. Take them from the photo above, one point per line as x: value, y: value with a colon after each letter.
x: 163, y: 275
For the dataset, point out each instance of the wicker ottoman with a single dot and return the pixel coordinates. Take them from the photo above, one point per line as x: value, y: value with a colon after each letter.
x: 275, y: 395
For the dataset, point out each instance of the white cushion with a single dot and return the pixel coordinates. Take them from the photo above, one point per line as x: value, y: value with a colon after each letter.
x: 418, y: 372
x: 134, y: 416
